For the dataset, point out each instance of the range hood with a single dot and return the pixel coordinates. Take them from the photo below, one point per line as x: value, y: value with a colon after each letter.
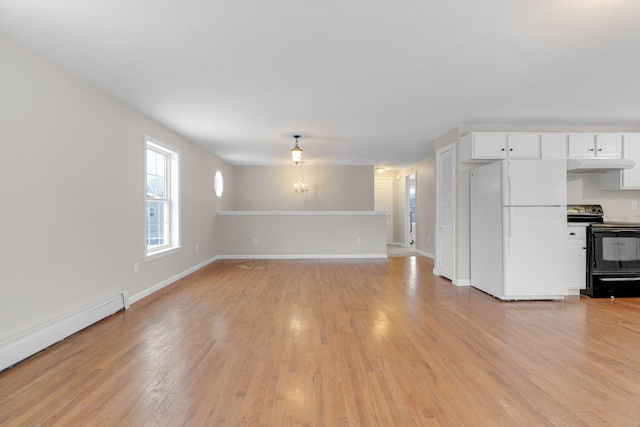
x: 598, y: 165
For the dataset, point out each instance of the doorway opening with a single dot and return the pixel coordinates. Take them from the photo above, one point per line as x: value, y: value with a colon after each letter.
x: 411, y: 210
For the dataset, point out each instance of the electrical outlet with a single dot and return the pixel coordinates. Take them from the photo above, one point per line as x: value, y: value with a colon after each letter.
x: 255, y: 240
x: 197, y: 247
x: 136, y: 267
x: 358, y: 240
x: 634, y: 204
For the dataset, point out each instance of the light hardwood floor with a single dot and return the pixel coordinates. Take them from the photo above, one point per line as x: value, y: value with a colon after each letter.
x: 336, y: 343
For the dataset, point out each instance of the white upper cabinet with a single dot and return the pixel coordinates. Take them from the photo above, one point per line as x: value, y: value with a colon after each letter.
x: 589, y: 145
x: 582, y: 145
x: 488, y: 145
x: 553, y: 146
x: 500, y: 145
x: 628, y: 179
x: 609, y: 145
x: 523, y: 145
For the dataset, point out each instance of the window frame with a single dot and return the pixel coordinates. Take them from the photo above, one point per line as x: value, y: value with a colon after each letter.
x: 218, y: 183
x: 172, y: 198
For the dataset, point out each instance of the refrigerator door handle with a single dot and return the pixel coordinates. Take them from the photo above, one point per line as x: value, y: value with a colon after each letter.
x: 508, y: 193
x: 509, y: 231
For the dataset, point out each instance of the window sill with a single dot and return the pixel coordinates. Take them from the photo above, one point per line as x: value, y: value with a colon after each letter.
x: 162, y: 253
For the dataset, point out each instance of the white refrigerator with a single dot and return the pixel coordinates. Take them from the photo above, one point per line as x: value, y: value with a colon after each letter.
x: 518, y: 229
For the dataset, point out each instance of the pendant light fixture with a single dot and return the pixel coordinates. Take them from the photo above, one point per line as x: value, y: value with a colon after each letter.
x: 301, y: 187
x: 296, y: 151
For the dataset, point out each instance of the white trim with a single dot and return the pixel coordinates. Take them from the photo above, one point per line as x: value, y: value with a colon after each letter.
x: 162, y: 253
x: 407, y: 208
x: 426, y: 254
x: 137, y: 297
x: 21, y: 346
x: 461, y: 282
x: 298, y: 213
x: 217, y: 174
x: 297, y: 256
x: 174, y: 191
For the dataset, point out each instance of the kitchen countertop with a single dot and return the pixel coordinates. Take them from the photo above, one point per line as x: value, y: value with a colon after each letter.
x: 621, y: 219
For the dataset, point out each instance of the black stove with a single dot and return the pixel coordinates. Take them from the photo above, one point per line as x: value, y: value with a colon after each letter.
x: 613, y: 253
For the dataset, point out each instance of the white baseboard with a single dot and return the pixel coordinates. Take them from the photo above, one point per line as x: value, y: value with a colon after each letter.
x: 332, y: 256
x: 26, y: 344
x: 455, y: 282
x: 137, y: 297
x: 461, y: 282
x: 423, y: 253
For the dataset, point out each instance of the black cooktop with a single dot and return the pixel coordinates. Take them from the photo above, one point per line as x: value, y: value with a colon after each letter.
x: 585, y: 213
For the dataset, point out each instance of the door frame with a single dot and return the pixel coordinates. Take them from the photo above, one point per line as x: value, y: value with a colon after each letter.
x: 407, y: 209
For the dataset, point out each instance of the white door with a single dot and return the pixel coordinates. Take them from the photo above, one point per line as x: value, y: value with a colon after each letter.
x: 535, y: 246
x: 445, y: 221
x: 383, y: 201
x: 534, y: 183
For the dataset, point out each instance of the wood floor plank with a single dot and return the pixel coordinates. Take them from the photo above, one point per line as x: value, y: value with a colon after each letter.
x: 336, y: 342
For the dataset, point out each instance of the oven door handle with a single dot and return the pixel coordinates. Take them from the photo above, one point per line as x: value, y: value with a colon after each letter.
x: 614, y: 230
x: 620, y: 279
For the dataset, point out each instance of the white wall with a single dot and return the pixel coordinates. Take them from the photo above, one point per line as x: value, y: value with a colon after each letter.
x: 288, y: 234
x: 72, y: 186
x: 332, y: 188
x: 583, y: 189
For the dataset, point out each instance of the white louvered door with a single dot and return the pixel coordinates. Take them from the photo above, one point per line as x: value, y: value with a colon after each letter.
x: 445, y: 227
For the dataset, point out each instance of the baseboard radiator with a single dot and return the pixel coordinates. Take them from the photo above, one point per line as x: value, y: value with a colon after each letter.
x: 28, y: 343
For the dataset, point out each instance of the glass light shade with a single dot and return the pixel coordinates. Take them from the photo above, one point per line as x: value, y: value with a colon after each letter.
x: 301, y: 187
x: 296, y: 154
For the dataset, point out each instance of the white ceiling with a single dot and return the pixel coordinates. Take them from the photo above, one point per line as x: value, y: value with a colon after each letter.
x: 366, y: 82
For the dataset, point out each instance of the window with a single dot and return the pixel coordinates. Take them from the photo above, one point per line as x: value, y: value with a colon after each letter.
x: 162, y: 227
x: 218, y: 184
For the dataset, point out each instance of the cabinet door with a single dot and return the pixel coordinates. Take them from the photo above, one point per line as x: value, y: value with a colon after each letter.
x: 524, y: 145
x: 553, y: 146
x: 489, y: 145
x: 609, y: 145
x: 576, y: 257
x: 631, y: 150
x: 581, y: 145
